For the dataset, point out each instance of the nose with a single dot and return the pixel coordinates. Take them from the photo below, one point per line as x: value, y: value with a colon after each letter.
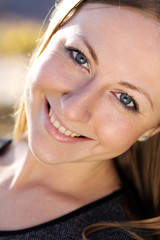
x: 77, y: 105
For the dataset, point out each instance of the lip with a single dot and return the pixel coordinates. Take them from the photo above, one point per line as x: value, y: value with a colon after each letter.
x: 55, y: 133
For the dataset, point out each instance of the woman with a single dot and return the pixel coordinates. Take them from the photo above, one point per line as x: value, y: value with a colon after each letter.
x: 92, y: 92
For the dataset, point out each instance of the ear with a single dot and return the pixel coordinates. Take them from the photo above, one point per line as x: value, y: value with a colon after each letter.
x: 149, y: 133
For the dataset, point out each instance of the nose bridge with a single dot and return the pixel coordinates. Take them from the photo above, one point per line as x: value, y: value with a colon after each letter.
x: 86, y: 93
x: 77, y: 104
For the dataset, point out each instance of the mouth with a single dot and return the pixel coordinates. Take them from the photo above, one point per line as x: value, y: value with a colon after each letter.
x: 59, y: 126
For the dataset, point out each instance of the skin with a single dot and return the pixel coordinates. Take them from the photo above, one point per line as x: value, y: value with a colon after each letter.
x: 83, y: 100
x: 86, y: 100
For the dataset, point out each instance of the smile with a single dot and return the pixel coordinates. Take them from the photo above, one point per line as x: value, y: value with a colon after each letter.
x: 59, y: 127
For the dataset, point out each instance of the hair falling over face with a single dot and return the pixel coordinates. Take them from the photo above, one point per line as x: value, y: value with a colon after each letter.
x: 139, y: 166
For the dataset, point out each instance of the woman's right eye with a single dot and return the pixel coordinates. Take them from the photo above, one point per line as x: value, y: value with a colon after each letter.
x: 79, y: 58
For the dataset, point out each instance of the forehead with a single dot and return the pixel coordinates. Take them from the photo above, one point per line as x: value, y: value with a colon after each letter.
x: 126, y: 23
x: 127, y: 36
x: 124, y: 28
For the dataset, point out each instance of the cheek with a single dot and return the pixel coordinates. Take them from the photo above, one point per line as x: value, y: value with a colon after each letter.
x: 116, y: 131
x: 52, y: 71
x: 46, y: 74
x: 40, y: 75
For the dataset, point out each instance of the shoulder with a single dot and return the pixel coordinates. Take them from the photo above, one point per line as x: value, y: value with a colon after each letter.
x: 109, y: 211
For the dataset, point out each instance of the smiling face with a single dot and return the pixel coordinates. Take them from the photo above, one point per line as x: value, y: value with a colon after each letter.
x: 97, y: 78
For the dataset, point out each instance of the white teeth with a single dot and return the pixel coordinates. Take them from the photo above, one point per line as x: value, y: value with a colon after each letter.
x: 68, y: 133
x: 50, y: 113
x: 52, y: 119
x: 60, y: 128
x: 56, y: 124
x: 73, y: 135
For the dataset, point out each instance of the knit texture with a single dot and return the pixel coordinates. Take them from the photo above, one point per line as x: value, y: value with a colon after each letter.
x: 71, y: 226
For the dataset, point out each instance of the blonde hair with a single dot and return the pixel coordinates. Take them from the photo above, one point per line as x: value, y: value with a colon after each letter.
x: 139, y: 166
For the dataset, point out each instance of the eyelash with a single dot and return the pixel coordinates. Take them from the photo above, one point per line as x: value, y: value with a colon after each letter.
x: 70, y: 51
x: 134, y: 109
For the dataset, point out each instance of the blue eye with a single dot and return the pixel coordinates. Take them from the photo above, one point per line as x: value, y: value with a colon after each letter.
x: 79, y: 58
x: 127, y: 101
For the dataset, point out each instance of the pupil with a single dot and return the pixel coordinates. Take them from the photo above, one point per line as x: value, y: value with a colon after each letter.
x: 80, y: 58
x: 125, y: 99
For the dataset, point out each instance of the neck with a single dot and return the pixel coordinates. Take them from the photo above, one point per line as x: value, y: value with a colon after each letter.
x: 81, y: 180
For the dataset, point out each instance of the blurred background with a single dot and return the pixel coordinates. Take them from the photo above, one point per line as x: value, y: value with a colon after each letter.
x: 20, y: 25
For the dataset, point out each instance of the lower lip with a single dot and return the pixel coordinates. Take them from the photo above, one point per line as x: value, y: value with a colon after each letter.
x: 56, y: 134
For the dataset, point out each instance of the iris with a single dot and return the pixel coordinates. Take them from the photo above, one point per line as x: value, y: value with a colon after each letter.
x: 125, y: 99
x: 80, y: 58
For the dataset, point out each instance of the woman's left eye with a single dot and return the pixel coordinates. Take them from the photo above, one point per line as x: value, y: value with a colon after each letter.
x: 127, y: 101
x: 79, y: 58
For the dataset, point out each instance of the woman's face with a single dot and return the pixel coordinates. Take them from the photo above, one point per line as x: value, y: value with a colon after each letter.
x: 98, y: 82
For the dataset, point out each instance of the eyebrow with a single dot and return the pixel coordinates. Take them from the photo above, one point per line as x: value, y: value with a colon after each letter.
x: 126, y: 84
x: 90, y: 48
x: 138, y: 89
